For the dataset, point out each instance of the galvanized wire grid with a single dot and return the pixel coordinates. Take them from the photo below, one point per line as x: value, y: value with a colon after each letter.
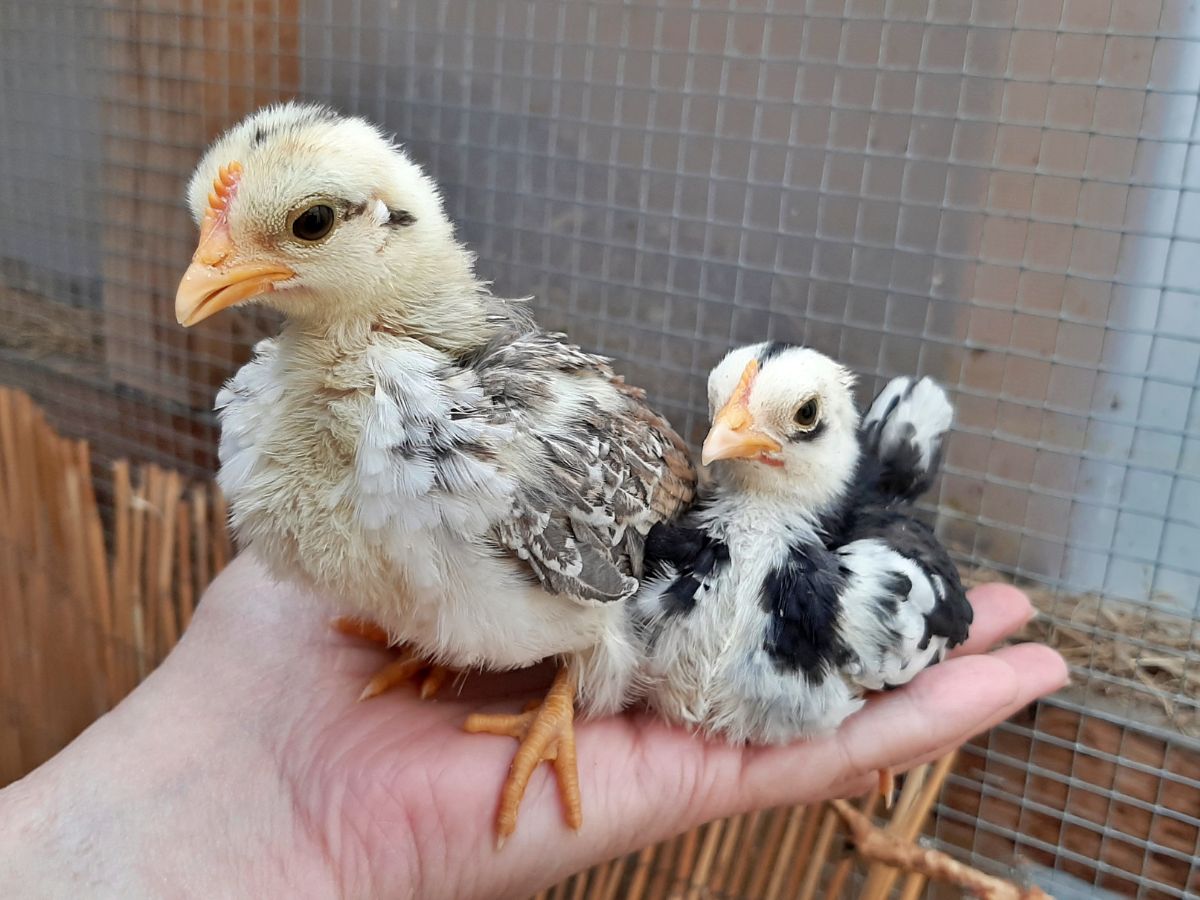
x: 1002, y: 194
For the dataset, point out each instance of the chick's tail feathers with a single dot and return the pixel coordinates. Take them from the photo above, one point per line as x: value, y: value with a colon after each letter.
x: 903, y: 431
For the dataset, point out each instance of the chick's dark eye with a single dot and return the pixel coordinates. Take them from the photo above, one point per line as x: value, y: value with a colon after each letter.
x: 806, y: 415
x: 314, y: 223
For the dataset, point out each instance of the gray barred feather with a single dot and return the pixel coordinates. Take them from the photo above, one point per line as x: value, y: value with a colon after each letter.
x: 599, y: 484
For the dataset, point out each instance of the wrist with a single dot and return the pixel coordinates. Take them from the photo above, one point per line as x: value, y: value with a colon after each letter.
x: 165, y: 795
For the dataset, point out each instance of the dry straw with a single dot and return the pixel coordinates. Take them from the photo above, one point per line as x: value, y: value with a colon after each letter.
x: 1131, y: 651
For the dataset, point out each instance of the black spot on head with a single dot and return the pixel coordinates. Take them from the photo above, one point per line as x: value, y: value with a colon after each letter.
x: 772, y: 349
x: 400, y: 217
x: 260, y: 135
x: 801, y: 597
x: 356, y: 209
x: 318, y: 113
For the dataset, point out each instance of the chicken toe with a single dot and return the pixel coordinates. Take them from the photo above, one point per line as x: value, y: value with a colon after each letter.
x: 407, y: 668
x: 546, y: 733
x: 360, y: 628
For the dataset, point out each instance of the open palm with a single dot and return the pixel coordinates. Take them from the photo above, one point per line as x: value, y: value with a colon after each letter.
x: 246, y: 766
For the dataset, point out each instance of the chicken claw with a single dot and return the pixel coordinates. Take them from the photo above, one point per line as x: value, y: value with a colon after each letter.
x: 397, y: 672
x: 546, y: 733
x: 887, y: 787
x: 360, y: 628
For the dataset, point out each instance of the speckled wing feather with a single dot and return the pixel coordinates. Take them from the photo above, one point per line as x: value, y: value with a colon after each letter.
x: 601, y: 467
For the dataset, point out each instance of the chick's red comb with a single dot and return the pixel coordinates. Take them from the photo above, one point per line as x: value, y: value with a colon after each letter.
x: 741, y: 393
x: 215, y: 241
x: 224, y: 187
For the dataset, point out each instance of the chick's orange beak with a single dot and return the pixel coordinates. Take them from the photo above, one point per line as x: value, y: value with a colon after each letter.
x: 732, y: 435
x: 206, y: 289
x: 217, y: 279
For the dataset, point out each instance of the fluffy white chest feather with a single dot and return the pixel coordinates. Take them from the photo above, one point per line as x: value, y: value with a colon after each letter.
x: 779, y: 637
x: 354, y: 477
x: 706, y: 666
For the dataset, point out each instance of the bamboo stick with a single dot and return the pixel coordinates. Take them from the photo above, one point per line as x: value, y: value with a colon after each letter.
x: 881, y: 877
x: 167, y: 618
x: 220, y: 545
x: 804, y: 849
x: 41, y: 449
x: 908, y: 825
x: 615, y: 875
x: 154, y: 478
x: 12, y: 636
x: 660, y: 875
x: 17, y: 655
x: 600, y: 875
x: 929, y: 795
x: 75, y: 656
x: 914, y: 884
x: 34, y: 446
x: 137, y: 513
x: 741, y: 865
x: 686, y: 860
x: 99, y: 584
x: 15, y: 476
x: 120, y: 636
x: 770, y: 851
x: 183, y: 560
x: 841, y: 872
x: 784, y: 861
x: 704, y: 862
x: 812, y: 874
x: 580, y: 887
x: 75, y: 542
x: 878, y: 844
x: 914, y: 781
x: 729, y: 841
x: 641, y: 874
x: 204, y: 572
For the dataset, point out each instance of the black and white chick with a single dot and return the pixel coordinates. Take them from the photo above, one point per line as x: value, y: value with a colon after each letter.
x: 801, y: 579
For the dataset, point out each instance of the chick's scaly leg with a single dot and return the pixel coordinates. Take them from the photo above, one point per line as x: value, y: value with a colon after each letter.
x: 547, y: 733
x: 399, y: 671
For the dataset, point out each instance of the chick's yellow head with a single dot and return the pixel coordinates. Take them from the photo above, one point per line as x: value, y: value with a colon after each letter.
x: 317, y: 214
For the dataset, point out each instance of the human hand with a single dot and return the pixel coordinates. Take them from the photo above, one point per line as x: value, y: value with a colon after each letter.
x: 244, y: 766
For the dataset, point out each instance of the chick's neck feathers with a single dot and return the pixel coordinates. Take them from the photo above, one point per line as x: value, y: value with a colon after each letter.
x: 455, y: 315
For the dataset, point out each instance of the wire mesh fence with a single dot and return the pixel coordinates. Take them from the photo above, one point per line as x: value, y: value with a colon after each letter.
x: 1004, y: 195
